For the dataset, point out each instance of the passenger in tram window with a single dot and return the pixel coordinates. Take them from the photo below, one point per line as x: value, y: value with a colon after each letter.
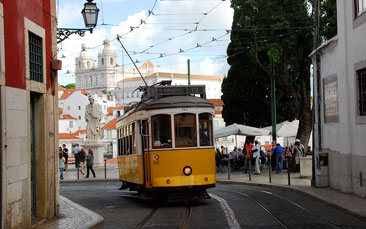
x: 182, y: 138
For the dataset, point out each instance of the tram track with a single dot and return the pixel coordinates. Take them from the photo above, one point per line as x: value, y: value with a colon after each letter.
x: 185, y: 220
x: 266, y: 208
x: 276, y: 216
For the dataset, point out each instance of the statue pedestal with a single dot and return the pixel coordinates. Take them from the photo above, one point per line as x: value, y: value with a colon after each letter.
x: 98, y: 148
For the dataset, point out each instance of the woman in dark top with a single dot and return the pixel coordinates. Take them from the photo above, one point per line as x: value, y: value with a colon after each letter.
x: 90, y: 163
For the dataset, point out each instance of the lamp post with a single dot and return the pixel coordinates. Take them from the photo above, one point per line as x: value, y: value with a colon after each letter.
x: 90, y: 15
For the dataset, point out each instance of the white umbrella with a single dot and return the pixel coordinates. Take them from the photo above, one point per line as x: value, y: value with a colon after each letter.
x: 237, y: 129
x: 285, y: 129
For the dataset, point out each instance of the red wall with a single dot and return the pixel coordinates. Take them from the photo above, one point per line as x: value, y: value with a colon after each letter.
x: 39, y: 12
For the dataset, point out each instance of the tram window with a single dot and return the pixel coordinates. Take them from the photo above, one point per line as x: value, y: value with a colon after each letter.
x: 161, y: 131
x: 185, y: 130
x: 205, y: 120
x: 134, y: 149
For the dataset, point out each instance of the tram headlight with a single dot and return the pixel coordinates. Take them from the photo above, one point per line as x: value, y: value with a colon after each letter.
x: 187, y: 170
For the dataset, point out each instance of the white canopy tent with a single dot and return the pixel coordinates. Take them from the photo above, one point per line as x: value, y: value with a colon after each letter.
x: 285, y: 129
x: 237, y: 129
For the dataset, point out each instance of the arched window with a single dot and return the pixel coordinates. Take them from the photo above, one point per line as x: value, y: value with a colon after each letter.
x: 79, y: 64
x: 111, y: 61
x: 88, y: 63
x: 102, y: 61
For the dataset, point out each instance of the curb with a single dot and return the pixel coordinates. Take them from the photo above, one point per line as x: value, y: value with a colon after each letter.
x: 296, y: 190
x: 89, y: 180
x: 95, y: 217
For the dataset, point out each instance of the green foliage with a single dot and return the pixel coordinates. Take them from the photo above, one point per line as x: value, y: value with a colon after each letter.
x: 279, y: 31
x: 328, y: 19
x: 70, y: 86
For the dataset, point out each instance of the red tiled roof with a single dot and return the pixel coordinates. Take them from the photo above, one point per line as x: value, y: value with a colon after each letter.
x: 60, y: 111
x: 68, y: 92
x: 111, y: 125
x: 61, y: 88
x: 79, y: 132
x: 66, y: 116
x: 147, y: 64
x: 66, y: 136
x: 218, y: 103
x: 110, y: 110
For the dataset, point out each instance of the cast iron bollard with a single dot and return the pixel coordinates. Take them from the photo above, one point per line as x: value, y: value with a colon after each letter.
x: 250, y: 169
x: 270, y: 169
x: 228, y: 170
x: 288, y: 171
x: 105, y: 168
x: 77, y: 168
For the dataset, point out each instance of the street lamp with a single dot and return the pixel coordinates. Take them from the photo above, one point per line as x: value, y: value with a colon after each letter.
x: 90, y: 15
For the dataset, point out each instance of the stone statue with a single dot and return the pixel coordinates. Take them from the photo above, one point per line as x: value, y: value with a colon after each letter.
x: 93, y: 116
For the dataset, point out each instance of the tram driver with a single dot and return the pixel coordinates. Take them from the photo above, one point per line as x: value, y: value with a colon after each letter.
x: 183, y: 138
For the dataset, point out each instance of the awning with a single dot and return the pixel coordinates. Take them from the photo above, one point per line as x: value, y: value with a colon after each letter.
x: 237, y: 129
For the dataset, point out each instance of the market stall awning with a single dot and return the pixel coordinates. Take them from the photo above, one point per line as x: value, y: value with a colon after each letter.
x: 285, y: 129
x: 237, y: 129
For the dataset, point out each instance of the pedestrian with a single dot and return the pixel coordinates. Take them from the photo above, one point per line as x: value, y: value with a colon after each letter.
x: 278, y: 151
x: 256, y: 154
x: 89, y: 163
x: 299, y: 151
x: 65, y: 153
x: 248, y: 154
x: 75, y: 151
x: 61, y: 165
x: 308, y: 151
x: 273, y: 156
x: 82, y: 157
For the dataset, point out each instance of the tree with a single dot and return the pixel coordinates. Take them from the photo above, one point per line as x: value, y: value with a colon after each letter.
x: 70, y: 86
x: 266, y: 32
x: 328, y: 19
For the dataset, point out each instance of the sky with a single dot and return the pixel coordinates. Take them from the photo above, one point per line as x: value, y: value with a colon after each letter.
x: 166, y: 32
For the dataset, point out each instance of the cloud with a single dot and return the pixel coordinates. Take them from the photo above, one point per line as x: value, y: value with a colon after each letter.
x: 159, y: 35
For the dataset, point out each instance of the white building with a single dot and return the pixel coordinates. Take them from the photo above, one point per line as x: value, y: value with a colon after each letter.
x: 73, y: 102
x: 109, y: 136
x: 126, y: 92
x: 341, y: 132
x: 106, y: 74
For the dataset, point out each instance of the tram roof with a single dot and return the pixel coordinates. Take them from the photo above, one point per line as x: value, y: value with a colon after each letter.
x: 160, y: 97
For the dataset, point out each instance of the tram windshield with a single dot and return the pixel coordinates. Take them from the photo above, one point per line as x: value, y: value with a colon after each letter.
x: 161, y: 131
x: 185, y: 130
x: 205, y: 120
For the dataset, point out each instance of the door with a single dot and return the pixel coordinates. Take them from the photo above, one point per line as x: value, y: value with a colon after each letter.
x: 33, y: 99
x: 145, y: 143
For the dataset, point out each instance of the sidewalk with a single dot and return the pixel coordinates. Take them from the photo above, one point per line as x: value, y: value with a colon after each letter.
x: 73, y: 215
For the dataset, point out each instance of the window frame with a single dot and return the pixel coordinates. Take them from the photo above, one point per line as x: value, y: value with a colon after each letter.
x: 211, y: 134
x: 358, y: 67
x: 152, y: 132
x: 358, y: 19
x: 31, y: 85
x: 195, y: 131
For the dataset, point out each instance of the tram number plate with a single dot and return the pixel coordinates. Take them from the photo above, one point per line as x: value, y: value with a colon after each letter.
x: 184, y: 109
x: 155, y: 162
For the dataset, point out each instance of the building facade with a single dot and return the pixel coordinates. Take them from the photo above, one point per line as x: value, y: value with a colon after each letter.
x: 340, y: 93
x: 28, y: 117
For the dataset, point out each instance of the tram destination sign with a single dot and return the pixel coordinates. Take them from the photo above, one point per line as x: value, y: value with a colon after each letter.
x: 162, y: 91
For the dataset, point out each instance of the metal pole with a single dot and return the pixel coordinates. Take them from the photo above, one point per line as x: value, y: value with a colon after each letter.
x: 228, y: 170
x: 273, y: 104
x: 288, y: 171
x: 189, y: 71
x: 105, y: 168
x: 77, y: 168
x: 250, y: 169
x: 270, y: 169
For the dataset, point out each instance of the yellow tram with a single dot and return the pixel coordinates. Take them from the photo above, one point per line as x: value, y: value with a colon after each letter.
x: 165, y: 143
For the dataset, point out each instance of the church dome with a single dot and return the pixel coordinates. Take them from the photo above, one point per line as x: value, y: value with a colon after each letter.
x: 107, y: 50
x: 85, y: 54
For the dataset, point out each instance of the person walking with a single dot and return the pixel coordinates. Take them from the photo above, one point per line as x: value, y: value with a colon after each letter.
x: 256, y: 154
x: 89, y: 163
x: 278, y: 151
x: 61, y: 165
x: 75, y: 151
x: 65, y: 153
x: 82, y: 157
x: 299, y: 151
x: 248, y: 154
